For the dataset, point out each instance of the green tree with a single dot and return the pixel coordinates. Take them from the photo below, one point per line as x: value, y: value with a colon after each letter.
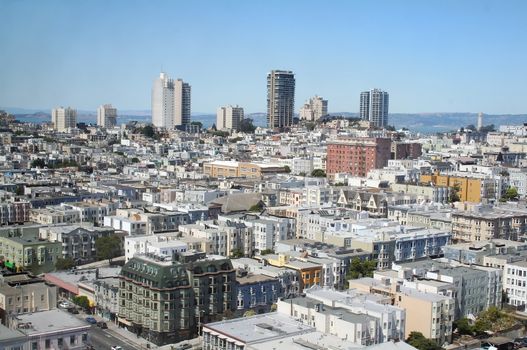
x: 454, y: 194
x: 266, y: 251
x: 287, y: 169
x: 249, y: 313
x: 318, y: 173
x: 135, y: 160
x: 510, y: 195
x: 390, y: 128
x: 82, y: 301
x: 64, y: 264
x: 311, y: 126
x: 418, y: 340
x: 247, y: 126
x: 257, y: 207
x: 237, y: 253
x: 463, y: 326
x: 108, y: 247
x: 361, y: 268
x: 38, y: 163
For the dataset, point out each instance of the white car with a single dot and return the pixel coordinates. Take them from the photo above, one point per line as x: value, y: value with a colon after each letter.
x: 64, y: 304
x: 117, y: 347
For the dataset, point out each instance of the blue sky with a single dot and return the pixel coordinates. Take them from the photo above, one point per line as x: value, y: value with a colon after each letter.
x: 431, y: 56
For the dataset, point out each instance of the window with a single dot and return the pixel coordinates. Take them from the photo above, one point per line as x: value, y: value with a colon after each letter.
x: 34, y: 345
x: 48, y: 343
x: 72, y: 340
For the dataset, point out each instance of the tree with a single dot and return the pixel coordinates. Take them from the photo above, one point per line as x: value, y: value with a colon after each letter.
x: 390, y: 128
x: 510, y: 195
x: 257, y: 207
x: 237, y: 253
x: 199, y: 124
x: 310, y: 126
x: 249, y: 313
x: 135, y: 160
x: 213, y: 127
x: 82, y: 301
x: 361, y: 268
x: 488, y: 128
x: 463, y: 326
x: 247, y: 126
x: 287, y: 169
x: 38, y: 163
x: 318, y: 173
x: 454, y: 194
x: 418, y: 340
x: 266, y: 251
x: 64, y: 264
x: 108, y: 247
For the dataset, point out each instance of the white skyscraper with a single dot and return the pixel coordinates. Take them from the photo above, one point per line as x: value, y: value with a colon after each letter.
x: 106, y: 116
x: 374, y: 107
x: 229, y: 117
x: 315, y: 108
x: 63, y: 118
x: 170, y: 102
x: 480, y: 121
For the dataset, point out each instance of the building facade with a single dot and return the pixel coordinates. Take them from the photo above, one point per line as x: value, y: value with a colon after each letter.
x: 280, y: 98
x: 374, y: 107
x: 63, y: 118
x: 106, y: 116
x: 170, y: 102
x: 229, y: 118
x: 357, y: 156
x: 166, y: 300
x: 315, y: 108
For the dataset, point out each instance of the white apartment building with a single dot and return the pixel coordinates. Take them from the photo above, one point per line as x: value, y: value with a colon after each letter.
x: 106, y: 116
x: 63, y: 119
x: 164, y: 244
x: 229, y: 117
x: 170, y: 102
x: 515, y: 282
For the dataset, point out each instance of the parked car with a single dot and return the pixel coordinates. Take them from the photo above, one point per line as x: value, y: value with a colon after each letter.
x: 117, y: 347
x: 91, y: 320
x: 73, y: 310
x: 64, y: 304
x: 102, y: 325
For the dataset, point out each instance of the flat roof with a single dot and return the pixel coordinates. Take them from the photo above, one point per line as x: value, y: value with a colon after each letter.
x: 49, y: 322
x: 10, y: 335
x: 259, y: 327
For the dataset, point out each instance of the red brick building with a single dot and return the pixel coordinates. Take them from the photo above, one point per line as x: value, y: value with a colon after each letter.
x: 357, y: 156
x: 406, y: 150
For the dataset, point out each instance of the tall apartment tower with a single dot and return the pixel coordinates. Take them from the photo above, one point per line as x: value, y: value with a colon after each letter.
x: 181, y: 103
x: 229, y: 117
x: 374, y: 107
x: 315, y: 108
x: 107, y: 116
x: 280, y: 98
x: 63, y: 118
x: 170, y: 102
x: 480, y: 121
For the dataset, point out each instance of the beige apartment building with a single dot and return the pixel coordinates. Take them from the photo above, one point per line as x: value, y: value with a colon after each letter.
x: 429, y: 313
x: 484, y: 224
x: 229, y: 168
x: 22, y: 293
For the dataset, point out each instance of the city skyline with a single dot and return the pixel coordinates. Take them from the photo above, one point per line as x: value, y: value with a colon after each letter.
x: 427, y: 62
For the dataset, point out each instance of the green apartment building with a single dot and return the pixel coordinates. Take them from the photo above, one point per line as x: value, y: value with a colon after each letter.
x: 28, y: 252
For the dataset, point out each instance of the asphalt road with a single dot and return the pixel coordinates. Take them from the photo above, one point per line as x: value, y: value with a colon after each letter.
x: 102, y: 339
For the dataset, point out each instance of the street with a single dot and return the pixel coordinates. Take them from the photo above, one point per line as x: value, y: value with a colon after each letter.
x: 104, y: 339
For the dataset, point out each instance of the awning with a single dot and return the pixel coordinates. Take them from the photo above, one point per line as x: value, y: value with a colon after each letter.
x: 124, y: 321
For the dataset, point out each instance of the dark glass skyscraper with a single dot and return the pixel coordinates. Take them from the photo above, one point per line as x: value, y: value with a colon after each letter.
x: 280, y: 98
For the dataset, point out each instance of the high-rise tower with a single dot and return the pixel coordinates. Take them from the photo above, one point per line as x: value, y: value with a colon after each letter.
x: 480, y: 121
x: 63, y: 118
x: 106, y: 116
x: 229, y: 117
x: 170, y: 102
x: 280, y: 98
x: 315, y: 108
x: 374, y: 107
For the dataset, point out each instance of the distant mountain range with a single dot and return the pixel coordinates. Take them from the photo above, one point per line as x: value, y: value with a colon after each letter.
x: 419, y: 122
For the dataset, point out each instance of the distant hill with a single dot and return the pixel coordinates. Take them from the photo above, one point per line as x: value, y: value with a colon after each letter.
x: 419, y: 122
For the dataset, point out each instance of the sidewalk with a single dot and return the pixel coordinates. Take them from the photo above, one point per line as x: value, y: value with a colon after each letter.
x: 129, y: 336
